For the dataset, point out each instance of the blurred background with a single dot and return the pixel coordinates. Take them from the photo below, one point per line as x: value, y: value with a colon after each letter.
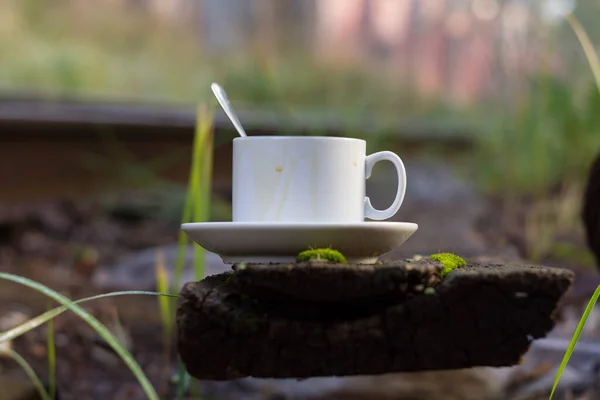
x: 491, y: 104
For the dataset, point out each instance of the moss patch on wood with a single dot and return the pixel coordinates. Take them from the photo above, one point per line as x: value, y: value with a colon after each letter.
x: 326, y: 254
x: 449, y: 261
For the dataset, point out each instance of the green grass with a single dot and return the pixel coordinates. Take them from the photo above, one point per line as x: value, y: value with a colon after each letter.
x: 51, y: 359
x: 162, y: 286
x: 201, y: 187
x: 166, y: 314
x: 197, y: 202
x: 183, y: 381
x: 48, y: 315
x: 66, y: 49
x: 93, y: 323
x: 540, y: 154
x: 588, y: 48
x: 37, y: 383
x: 197, y: 207
x: 575, y: 339
x: 452, y: 261
x: 110, y: 52
x: 538, y: 147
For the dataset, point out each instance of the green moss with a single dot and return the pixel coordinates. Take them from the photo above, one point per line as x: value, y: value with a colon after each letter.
x: 450, y: 262
x: 321, y: 255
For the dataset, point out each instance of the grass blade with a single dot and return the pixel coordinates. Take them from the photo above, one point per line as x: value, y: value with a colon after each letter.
x: 94, y: 324
x: 182, y: 242
x: 198, y: 153
x: 588, y: 47
x: 162, y: 283
x: 51, y: 359
x: 30, y: 373
x: 182, y: 380
x: 195, y: 186
x: 183, y: 239
x: 162, y: 286
x: 194, y: 387
x: 206, y: 181
x: 48, y: 315
x: 574, y: 339
x: 196, y: 208
x: 198, y: 185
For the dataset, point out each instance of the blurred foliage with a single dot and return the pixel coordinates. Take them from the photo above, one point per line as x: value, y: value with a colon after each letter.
x: 541, y: 151
x: 539, y: 154
x: 535, y: 143
x: 67, y: 48
x: 548, y: 140
x: 568, y: 253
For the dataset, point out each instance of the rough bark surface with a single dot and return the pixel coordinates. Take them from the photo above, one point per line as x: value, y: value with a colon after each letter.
x: 323, y: 282
x: 326, y: 320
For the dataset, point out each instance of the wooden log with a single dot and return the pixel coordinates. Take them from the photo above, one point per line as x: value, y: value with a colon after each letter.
x: 481, y: 315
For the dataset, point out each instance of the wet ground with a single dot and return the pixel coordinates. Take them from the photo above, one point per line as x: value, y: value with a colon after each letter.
x: 94, y: 246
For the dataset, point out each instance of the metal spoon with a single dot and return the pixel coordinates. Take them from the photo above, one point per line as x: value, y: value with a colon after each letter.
x: 224, y: 102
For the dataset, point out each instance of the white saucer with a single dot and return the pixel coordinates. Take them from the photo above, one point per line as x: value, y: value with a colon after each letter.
x: 259, y: 242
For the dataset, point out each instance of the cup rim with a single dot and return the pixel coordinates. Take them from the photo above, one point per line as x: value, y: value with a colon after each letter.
x: 267, y: 137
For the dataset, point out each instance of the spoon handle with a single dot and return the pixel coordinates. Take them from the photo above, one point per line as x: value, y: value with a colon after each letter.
x: 224, y: 102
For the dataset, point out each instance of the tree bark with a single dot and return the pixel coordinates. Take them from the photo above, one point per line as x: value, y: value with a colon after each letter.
x: 398, y: 317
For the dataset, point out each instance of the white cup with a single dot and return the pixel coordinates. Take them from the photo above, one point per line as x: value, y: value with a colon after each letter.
x: 307, y: 179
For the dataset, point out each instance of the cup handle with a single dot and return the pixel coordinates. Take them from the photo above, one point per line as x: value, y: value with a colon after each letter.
x: 371, y: 160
